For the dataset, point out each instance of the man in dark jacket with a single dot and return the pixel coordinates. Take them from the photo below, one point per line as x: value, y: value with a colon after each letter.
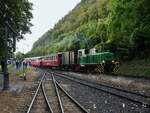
x: 17, y: 64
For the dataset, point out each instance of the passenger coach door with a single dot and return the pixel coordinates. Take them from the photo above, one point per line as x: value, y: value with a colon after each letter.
x: 60, y: 59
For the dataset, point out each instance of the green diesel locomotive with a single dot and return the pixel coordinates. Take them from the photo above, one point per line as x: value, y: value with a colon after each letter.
x: 97, y: 62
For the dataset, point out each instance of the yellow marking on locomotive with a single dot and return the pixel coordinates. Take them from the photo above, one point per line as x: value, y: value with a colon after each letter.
x: 100, y: 68
x: 116, y: 69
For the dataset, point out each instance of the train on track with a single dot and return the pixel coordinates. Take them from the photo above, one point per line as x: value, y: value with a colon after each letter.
x: 80, y: 60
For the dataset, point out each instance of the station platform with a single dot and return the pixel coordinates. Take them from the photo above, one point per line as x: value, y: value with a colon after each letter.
x: 15, y: 88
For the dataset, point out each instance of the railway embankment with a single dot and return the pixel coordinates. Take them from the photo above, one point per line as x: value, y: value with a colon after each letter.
x: 135, y: 68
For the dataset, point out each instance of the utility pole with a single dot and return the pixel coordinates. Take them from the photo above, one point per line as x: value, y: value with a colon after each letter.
x: 6, y: 74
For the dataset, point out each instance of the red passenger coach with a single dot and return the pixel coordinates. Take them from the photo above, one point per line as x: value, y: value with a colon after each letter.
x: 35, y: 61
x: 52, y: 60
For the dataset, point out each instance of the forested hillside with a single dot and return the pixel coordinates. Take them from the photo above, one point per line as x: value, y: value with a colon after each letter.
x: 120, y: 26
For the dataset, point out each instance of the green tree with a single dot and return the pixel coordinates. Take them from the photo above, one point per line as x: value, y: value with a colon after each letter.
x: 18, y: 14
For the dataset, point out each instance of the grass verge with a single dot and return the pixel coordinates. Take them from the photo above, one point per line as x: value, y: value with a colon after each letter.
x: 9, y: 67
x: 137, y: 68
x: 21, y: 72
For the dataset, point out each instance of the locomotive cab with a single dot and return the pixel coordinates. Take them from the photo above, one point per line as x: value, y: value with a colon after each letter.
x: 107, y: 59
x: 108, y: 62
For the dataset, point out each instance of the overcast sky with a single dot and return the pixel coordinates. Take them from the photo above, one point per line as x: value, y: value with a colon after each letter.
x: 46, y: 14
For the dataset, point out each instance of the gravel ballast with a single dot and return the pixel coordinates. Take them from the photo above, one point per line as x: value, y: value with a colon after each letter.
x: 99, y: 102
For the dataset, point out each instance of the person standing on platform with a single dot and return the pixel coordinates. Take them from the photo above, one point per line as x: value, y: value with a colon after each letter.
x: 17, y: 64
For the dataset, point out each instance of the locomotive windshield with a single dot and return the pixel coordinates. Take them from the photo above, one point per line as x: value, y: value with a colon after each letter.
x: 108, y: 57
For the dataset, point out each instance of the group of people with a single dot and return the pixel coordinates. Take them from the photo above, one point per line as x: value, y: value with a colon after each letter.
x: 19, y: 64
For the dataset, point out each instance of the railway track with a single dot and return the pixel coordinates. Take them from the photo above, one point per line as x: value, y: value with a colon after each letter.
x: 137, y: 98
x: 39, y: 97
x: 50, y: 97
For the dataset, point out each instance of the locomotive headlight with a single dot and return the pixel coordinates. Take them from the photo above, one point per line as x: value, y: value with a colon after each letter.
x: 117, y: 64
x: 103, y: 61
x: 113, y: 61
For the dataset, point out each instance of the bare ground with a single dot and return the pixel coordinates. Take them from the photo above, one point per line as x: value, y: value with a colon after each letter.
x: 12, y: 102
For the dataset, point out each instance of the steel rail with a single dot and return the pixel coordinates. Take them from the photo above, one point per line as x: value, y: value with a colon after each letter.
x: 59, y: 99
x: 43, y: 89
x: 112, y: 93
x: 123, y: 90
x: 35, y: 95
x: 75, y: 101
